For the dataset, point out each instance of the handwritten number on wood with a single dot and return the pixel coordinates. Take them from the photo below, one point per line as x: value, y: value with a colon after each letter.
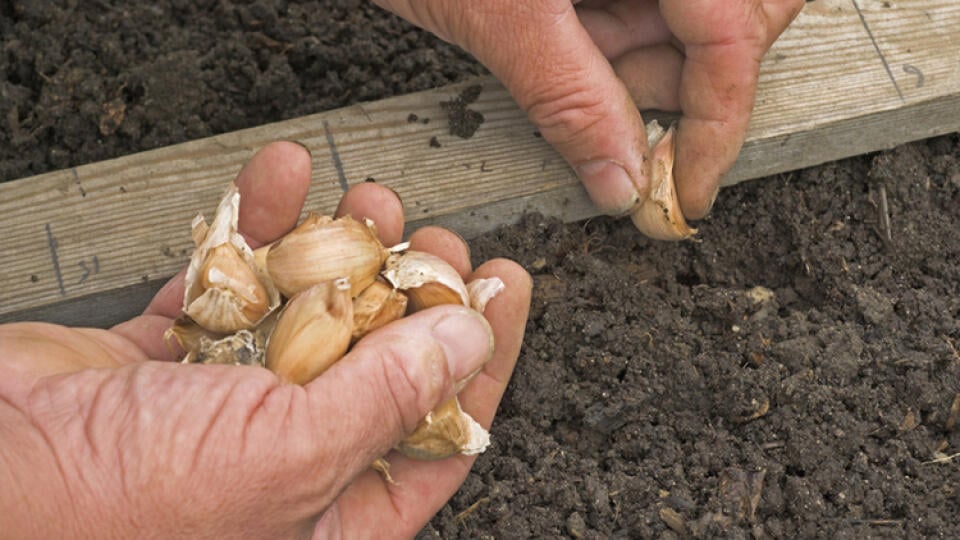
x: 88, y: 269
x: 915, y: 71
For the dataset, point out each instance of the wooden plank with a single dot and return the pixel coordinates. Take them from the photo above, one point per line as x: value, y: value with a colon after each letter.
x: 847, y: 77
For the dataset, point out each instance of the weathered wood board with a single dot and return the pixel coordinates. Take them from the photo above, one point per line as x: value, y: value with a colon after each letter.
x: 89, y: 245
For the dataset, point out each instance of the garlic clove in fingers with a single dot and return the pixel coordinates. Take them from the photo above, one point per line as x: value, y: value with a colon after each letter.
x: 321, y: 249
x: 444, y: 432
x: 426, y: 279
x: 660, y: 217
x: 312, y: 332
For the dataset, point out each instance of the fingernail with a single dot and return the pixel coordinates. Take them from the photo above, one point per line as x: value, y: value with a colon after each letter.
x: 467, y: 342
x: 304, y: 146
x: 609, y: 186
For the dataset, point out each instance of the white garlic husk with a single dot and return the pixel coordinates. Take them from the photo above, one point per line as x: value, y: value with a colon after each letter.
x: 426, y: 279
x: 225, y: 290
x: 444, y: 432
x: 659, y: 216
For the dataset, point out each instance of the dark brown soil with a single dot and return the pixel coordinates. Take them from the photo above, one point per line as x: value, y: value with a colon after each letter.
x: 793, y: 373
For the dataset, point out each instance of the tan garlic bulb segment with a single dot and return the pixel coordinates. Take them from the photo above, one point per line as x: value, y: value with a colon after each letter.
x: 313, y: 331
x: 376, y: 306
x: 321, y: 249
x: 444, y: 432
x: 224, y: 291
x: 427, y: 280
x: 660, y: 217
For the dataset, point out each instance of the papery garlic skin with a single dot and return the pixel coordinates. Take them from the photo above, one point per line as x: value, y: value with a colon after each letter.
x: 660, y: 217
x: 482, y: 290
x: 323, y: 249
x: 375, y: 307
x: 427, y: 280
x: 223, y: 291
x: 313, y: 331
x: 444, y: 432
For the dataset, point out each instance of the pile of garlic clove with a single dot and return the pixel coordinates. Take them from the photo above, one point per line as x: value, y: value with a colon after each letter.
x: 298, y: 305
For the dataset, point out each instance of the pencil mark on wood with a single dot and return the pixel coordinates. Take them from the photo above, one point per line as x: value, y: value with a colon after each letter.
x: 88, y: 270
x: 876, y: 47
x: 76, y: 180
x: 915, y: 71
x: 52, y: 243
x: 335, y: 155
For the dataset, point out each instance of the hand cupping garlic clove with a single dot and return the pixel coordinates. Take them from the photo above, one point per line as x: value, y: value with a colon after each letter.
x: 340, y: 283
x: 659, y: 216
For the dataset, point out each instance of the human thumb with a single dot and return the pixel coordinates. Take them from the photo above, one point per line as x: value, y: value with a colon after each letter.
x: 394, y: 376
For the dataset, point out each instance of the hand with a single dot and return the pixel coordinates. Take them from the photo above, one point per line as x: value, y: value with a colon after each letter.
x: 581, y: 74
x: 104, y: 436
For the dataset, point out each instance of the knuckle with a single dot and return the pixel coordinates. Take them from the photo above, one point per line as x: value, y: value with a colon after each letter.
x: 414, y: 375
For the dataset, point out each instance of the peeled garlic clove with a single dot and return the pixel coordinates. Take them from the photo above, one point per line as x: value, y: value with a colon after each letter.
x: 323, y: 249
x: 660, y: 217
x: 446, y: 431
x: 482, y: 290
x: 376, y: 306
x: 312, y: 332
x: 427, y: 280
x: 224, y: 292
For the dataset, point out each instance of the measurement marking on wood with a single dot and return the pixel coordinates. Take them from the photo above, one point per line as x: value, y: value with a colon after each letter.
x: 335, y: 155
x: 87, y: 271
x: 52, y: 243
x: 915, y: 71
x: 876, y: 47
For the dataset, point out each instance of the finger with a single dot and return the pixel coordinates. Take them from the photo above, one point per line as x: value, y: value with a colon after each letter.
x: 617, y: 27
x: 652, y: 75
x: 421, y: 488
x: 378, y: 203
x: 544, y: 56
x: 724, y: 42
x: 390, y: 380
x: 273, y: 186
x: 147, y: 333
x: 445, y: 244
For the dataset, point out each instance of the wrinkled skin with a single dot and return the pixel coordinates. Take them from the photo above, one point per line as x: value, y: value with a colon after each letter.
x: 581, y: 71
x: 104, y: 436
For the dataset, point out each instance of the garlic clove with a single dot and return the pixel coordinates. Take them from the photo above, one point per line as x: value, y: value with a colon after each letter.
x: 237, y: 349
x: 482, y: 290
x: 426, y: 279
x: 223, y: 289
x: 444, y: 432
x: 312, y: 332
x: 187, y: 334
x: 660, y: 217
x: 376, y: 306
x: 323, y: 249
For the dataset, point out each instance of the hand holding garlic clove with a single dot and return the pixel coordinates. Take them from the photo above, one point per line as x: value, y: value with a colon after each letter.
x: 224, y: 450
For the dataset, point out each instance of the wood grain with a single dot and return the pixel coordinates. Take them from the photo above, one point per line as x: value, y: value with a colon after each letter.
x: 88, y: 245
